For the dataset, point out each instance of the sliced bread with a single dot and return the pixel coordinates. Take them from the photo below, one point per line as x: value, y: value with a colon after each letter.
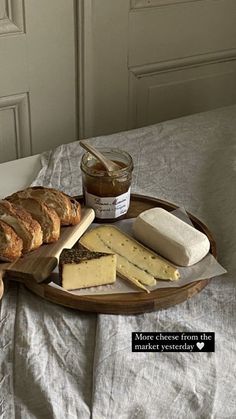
x: 75, y: 215
x: 47, y: 217
x: 28, y: 229
x: 68, y: 210
x: 11, y: 244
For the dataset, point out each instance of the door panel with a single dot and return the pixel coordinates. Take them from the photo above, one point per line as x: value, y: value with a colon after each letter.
x: 15, y: 139
x: 154, y: 60
x: 38, y: 53
x: 181, y: 30
x: 13, y: 65
x: 11, y: 17
x: 137, y: 4
x: 170, y: 95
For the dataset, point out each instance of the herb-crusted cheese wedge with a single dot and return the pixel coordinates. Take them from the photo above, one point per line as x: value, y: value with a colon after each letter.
x: 134, y: 261
x: 83, y: 269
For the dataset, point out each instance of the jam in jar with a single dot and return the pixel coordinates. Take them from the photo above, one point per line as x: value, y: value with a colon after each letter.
x: 107, y: 194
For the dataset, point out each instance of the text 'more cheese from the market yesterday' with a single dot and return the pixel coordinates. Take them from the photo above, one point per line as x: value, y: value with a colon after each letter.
x: 171, y: 237
x: 83, y: 268
x: 135, y: 262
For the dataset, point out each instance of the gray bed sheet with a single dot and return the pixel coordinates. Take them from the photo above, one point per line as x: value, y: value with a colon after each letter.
x: 61, y: 363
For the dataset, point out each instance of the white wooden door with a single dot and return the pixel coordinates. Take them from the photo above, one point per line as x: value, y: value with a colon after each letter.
x: 37, y: 76
x: 147, y: 61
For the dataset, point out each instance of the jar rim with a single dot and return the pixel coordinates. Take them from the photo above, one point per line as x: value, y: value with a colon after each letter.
x: 115, y: 173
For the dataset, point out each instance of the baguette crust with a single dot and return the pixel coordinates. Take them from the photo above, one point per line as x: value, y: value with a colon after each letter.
x: 11, y: 244
x: 56, y: 200
x: 68, y: 212
x: 46, y: 217
x: 75, y: 212
x: 28, y: 229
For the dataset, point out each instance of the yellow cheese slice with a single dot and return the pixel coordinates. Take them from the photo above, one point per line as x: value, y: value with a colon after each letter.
x: 126, y: 270
x: 134, y: 261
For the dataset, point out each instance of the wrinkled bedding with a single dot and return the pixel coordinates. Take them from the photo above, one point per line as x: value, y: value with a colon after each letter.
x: 61, y: 363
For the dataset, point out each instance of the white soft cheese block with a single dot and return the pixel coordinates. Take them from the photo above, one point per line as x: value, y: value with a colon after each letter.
x: 171, y: 237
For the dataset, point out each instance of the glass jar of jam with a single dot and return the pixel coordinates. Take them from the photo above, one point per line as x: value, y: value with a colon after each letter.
x: 107, y: 194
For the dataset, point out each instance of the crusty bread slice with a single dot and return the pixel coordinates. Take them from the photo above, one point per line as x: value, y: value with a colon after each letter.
x: 68, y: 212
x: 47, y: 217
x: 11, y: 244
x: 56, y: 200
x: 28, y: 229
x: 75, y: 212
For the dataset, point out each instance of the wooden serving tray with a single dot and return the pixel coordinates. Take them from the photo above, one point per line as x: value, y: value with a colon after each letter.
x: 131, y: 303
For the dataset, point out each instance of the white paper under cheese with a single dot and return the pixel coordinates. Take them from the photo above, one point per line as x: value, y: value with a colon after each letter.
x: 171, y: 237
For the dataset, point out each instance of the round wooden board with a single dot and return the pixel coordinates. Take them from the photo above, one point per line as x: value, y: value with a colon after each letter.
x: 132, y: 303
x: 1, y: 286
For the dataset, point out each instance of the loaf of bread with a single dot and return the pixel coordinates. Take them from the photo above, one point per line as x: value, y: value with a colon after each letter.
x: 67, y: 209
x: 11, y: 244
x: 33, y: 216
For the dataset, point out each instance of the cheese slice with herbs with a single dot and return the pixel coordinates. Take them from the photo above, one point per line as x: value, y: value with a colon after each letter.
x: 83, y: 268
x: 134, y: 261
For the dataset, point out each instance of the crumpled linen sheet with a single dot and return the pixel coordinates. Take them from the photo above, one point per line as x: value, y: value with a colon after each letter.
x: 60, y: 363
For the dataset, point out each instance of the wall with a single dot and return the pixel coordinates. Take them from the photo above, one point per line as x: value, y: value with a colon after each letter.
x: 147, y: 61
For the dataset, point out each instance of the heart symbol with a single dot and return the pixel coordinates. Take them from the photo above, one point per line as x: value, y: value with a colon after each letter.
x: 200, y: 345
